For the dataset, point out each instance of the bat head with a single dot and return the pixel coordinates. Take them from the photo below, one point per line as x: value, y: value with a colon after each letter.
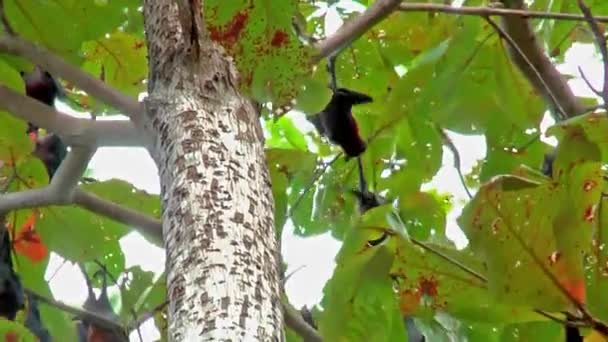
x: 351, y: 96
x: 41, y: 85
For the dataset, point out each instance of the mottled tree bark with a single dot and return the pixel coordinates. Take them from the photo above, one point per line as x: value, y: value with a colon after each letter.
x: 222, y: 256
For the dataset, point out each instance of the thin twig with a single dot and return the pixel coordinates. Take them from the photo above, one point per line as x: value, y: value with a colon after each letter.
x: 486, y: 11
x: 450, y: 144
x: 452, y: 261
x: 588, y: 83
x: 559, y: 320
x: 286, y: 278
x: 504, y: 35
x: 601, y: 43
x: 314, y: 179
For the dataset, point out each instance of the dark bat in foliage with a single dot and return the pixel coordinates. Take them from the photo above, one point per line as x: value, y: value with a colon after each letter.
x: 33, y: 320
x: 51, y: 151
x: 40, y: 85
x: 91, y: 331
x: 547, y: 168
x: 307, y: 316
x: 337, y: 123
x: 573, y: 334
x: 11, y: 291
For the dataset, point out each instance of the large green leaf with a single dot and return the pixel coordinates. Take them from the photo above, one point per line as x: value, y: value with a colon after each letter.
x: 358, y: 300
x: 259, y: 35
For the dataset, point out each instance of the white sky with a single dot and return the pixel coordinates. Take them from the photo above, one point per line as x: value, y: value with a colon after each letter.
x: 305, y: 286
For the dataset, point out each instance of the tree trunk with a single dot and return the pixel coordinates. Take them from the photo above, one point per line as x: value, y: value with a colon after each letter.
x: 222, y: 256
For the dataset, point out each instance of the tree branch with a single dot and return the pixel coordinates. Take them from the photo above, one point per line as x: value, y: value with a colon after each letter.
x: 73, y: 131
x: 96, y: 318
x: 354, y: 28
x: 487, y: 11
x: 146, y: 225
x: 520, y: 31
x: 57, y: 66
x: 70, y: 170
x: 61, y: 189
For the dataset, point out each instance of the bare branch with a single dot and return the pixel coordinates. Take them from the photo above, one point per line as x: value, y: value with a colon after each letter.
x: 96, y: 318
x: 601, y: 43
x: 29, y: 199
x: 354, y: 28
x: 73, y: 131
x: 57, y: 66
x: 294, y: 320
x: 450, y: 144
x: 70, y: 170
x: 146, y: 225
x: 486, y: 11
x: 316, y: 176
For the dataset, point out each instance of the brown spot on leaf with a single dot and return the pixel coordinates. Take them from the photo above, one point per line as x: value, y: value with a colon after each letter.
x: 589, y: 185
x: 229, y: 34
x: 589, y: 213
x: 428, y: 286
x: 279, y: 39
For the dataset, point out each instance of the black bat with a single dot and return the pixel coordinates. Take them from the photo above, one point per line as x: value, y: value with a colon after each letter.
x: 337, y: 123
x: 42, y: 86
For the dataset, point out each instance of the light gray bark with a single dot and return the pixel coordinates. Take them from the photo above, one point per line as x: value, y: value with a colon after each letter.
x: 222, y: 256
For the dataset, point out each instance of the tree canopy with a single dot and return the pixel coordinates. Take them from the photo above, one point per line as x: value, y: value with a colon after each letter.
x: 536, y: 242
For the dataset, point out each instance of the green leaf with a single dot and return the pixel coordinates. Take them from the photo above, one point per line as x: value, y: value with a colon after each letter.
x: 533, y: 331
x: 125, y: 194
x: 120, y: 59
x: 530, y: 261
x: 359, y: 299
x: 135, y: 291
x: 596, y: 266
x: 36, y: 21
x: 14, y: 143
x: 79, y: 236
x: 423, y: 215
x: 269, y: 56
